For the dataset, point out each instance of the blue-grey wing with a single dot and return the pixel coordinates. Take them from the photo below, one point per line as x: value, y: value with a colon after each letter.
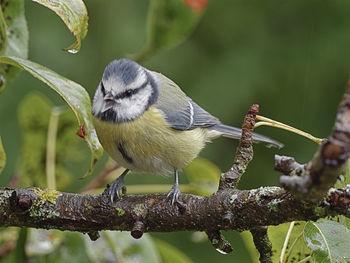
x: 193, y: 116
x: 179, y: 110
x: 182, y: 113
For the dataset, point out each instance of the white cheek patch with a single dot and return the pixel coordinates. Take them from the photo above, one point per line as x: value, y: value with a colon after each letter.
x: 97, y: 102
x: 131, y: 108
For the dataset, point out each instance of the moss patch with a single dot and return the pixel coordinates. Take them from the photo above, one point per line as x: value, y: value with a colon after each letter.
x: 120, y: 211
x: 47, y: 195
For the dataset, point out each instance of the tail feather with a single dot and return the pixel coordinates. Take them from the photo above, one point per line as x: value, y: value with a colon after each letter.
x: 235, y: 133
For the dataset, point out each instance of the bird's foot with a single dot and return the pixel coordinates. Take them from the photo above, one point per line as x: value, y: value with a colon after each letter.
x: 116, y: 190
x: 174, y: 194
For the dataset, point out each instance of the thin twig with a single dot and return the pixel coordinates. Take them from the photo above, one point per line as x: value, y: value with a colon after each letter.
x: 244, y: 152
x: 285, y: 244
x: 262, y: 243
x: 51, y: 148
x: 219, y: 242
x: 287, y: 165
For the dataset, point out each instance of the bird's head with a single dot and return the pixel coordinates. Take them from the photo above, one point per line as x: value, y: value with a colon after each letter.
x: 125, y: 92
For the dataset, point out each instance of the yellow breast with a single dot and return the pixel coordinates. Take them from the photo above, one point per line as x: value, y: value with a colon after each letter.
x: 148, y: 144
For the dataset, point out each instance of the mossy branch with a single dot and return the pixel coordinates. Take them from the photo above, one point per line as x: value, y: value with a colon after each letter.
x: 86, y: 212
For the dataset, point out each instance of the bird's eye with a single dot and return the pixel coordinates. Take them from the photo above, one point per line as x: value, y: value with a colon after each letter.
x: 103, y: 89
x: 128, y: 92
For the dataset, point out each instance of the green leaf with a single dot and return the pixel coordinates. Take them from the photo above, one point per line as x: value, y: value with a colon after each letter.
x: 277, y: 236
x: 203, y: 176
x: 328, y: 240
x: 16, y: 44
x: 170, y: 254
x: 73, y: 93
x: 2, y: 156
x: 34, y: 117
x: 169, y: 23
x: 74, y: 14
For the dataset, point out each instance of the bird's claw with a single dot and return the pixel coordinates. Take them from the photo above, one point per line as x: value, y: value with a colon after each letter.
x: 117, y: 189
x: 174, y: 194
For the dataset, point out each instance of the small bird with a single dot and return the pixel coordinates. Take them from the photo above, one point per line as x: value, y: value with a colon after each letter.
x: 148, y: 124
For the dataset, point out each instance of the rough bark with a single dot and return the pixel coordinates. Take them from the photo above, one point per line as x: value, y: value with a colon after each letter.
x: 86, y: 212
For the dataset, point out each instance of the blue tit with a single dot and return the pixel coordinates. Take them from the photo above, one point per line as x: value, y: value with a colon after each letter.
x: 148, y: 124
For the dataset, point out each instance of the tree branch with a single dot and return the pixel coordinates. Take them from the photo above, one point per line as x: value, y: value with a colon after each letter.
x: 244, y: 153
x: 219, y: 242
x: 31, y: 207
x: 227, y: 209
x: 338, y: 200
x: 288, y: 165
x: 262, y: 243
x: 329, y: 162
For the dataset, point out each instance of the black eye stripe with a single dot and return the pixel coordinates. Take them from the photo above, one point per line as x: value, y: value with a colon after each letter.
x: 103, y: 89
x: 128, y: 93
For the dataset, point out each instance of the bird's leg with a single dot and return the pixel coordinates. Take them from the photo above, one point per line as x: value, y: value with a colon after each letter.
x: 116, y: 187
x: 175, y: 190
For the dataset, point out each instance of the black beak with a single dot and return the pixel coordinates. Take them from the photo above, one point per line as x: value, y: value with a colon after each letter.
x: 109, y: 102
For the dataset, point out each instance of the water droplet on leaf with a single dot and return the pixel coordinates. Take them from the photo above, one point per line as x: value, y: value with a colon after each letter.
x: 221, y: 251
x: 73, y: 51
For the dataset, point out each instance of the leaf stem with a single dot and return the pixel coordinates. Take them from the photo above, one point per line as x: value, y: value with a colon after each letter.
x: 285, y: 244
x: 51, y: 148
x: 292, y: 246
x: 305, y: 259
x: 272, y: 123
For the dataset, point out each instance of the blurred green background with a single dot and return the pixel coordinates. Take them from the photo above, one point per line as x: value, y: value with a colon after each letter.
x: 291, y: 57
